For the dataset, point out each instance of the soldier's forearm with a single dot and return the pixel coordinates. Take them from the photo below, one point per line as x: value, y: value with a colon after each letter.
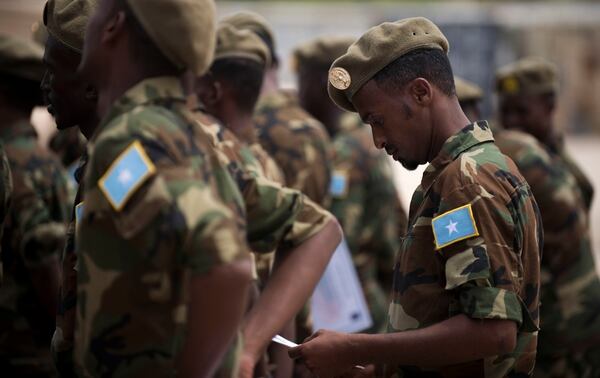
x: 456, y: 340
x: 212, y: 321
x: 291, y: 284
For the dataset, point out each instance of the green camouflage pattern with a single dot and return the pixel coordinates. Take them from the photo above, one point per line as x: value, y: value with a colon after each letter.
x: 492, y: 275
x: 299, y: 144
x: 369, y: 211
x: 585, y: 185
x: 278, y: 217
x: 34, y: 235
x: 64, y: 335
x: 569, y: 339
x: 134, y: 264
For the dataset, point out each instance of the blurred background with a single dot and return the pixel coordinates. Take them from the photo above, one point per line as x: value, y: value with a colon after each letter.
x: 483, y: 36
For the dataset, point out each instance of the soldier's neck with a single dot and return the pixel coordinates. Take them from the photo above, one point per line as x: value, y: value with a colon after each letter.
x: 270, y: 83
x: 447, y: 120
x: 242, y: 126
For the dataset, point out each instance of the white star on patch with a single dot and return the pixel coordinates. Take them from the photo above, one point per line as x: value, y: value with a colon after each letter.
x: 125, y: 177
x: 452, y: 227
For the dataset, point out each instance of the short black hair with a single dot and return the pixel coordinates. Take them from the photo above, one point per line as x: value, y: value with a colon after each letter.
x: 22, y: 94
x: 432, y: 65
x: 244, y: 76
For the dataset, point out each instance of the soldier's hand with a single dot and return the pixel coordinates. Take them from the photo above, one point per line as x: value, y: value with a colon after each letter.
x: 325, y: 353
x: 246, y: 366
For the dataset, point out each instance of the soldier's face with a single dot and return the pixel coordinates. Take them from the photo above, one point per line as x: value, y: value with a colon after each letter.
x: 531, y: 114
x: 69, y: 99
x: 396, y: 124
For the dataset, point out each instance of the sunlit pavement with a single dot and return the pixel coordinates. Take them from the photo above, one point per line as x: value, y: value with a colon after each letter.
x: 585, y: 150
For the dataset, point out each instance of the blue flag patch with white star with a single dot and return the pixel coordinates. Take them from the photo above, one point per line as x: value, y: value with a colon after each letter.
x: 338, y: 187
x: 453, y: 226
x: 126, y: 174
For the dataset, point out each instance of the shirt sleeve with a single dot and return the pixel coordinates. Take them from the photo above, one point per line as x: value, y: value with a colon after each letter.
x: 178, y: 210
x: 485, y: 270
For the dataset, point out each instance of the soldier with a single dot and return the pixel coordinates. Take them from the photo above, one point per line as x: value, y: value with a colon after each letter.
x: 364, y: 197
x: 298, y: 143
x: 466, y: 280
x: 229, y: 92
x: 72, y: 102
x: 304, y: 234
x: 163, y: 269
x: 34, y: 231
x: 568, y: 343
x: 527, y: 92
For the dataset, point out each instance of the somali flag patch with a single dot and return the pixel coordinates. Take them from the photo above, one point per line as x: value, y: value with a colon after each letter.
x: 453, y: 226
x: 338, y: 187
x: 125, y: 175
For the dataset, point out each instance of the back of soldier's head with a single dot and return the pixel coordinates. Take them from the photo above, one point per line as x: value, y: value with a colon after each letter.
x: 21, y: 71
x: 241, y: 58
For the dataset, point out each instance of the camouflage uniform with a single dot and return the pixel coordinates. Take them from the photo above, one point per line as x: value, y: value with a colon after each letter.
x: 492, y: 273
x: 585, y: 186
x: 135, y: 261
x: 277, y: 217
x: 298, y: 143
x: 369, y: 210
x: 62, y: 340
x: 34, y: 234
x: 569, y: 339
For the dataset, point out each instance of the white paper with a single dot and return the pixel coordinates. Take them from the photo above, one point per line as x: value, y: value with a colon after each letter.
x: 283, y: 341
x: 338, y: 303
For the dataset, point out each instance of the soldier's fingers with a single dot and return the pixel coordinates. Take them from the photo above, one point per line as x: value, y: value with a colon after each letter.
x: 295, y: 352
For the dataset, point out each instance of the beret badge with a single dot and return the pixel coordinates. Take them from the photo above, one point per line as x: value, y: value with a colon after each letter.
x: 339, y: 78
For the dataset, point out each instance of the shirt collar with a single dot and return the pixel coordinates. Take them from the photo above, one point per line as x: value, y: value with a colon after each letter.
x: 470, y: 136
x: 148, y: 91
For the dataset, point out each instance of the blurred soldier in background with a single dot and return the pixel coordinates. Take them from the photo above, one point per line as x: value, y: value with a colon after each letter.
x: 34, y: 230
x: 72, y: 102
x: 569, y: 339
x: 298, y: 143
x: 527, y: 91
x: 364, y: 197
x: 304, y: 234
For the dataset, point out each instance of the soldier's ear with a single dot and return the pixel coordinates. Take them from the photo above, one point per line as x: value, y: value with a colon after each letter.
x: 421, y: 91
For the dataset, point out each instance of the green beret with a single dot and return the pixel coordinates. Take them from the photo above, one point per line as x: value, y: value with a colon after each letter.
x: 66, y: 20
x: 467, y: 90
x: 255, y: 23
x: 320, y: 52
x: 528, y: 76
x: 183, y: 30
x: 378, y: 47
x: 21, y: 58
x: 237, y: 43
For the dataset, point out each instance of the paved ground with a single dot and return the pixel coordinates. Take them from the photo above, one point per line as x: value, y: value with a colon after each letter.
x: 585, y: 150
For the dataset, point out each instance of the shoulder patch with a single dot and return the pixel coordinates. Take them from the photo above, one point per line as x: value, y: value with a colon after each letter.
x: 453, y: 226
x: 125, y: 175
x: 338, y: 187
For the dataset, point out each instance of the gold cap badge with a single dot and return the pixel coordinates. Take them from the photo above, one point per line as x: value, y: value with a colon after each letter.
x: 339, y: 78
